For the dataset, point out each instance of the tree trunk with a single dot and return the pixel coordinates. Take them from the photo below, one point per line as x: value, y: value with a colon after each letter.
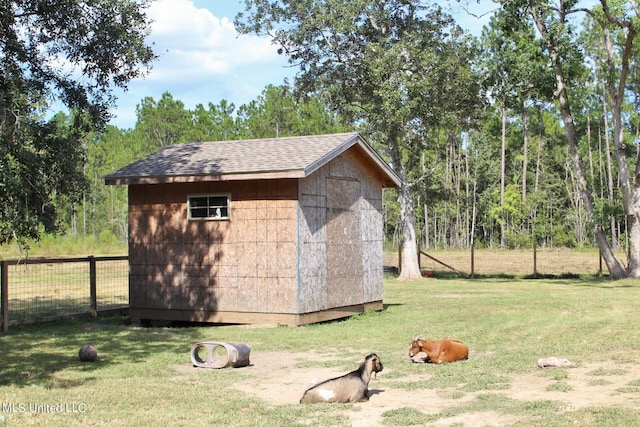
x: 538, y: 159
x: 503, y: 149
x: 612, y: 220
x: 615, y: 268
x: 427, y: 240
x: 425, y: 206
x: 74, y: 219
x: 409, y: 267
x: 525, y: 151
x: 630, y: 195
x: 536, y: 184
x: 467, y: 193
x: 458, y: 179
x: 630, y: 186
x: 473, y: 209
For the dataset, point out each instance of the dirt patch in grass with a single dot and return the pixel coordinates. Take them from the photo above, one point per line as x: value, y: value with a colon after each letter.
x: 280, y: 378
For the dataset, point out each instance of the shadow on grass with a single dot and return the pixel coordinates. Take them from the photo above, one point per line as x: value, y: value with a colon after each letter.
x: 386, y: 306
x: 605, y: 283
x: 570, y: 279
x: 35, y: 354
x: 590, y: 278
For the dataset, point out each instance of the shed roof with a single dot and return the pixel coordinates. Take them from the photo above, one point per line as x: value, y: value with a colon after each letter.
x: 271, y: 158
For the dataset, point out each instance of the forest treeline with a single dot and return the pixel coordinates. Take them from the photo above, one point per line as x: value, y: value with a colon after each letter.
x: 461, y: 197
x: 475, y: 127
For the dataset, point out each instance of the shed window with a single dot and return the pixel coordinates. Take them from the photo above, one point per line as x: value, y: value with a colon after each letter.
x: 209, y: 206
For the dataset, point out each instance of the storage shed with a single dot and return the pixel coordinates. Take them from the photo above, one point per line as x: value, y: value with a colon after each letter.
x: 282, y: 230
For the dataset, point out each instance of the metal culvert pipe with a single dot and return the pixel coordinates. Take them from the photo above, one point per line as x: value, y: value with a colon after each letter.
x: 237, y: 355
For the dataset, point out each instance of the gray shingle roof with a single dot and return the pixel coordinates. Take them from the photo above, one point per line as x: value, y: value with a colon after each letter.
x: 290, y: 157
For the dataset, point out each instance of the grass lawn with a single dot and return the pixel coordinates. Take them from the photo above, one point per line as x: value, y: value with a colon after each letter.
x: 144, y: 377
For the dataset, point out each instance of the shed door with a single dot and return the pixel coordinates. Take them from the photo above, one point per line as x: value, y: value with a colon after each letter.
x: 345, y: 284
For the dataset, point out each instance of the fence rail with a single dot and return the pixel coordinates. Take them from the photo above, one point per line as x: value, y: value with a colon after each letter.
x: 532, y: 262
x: 41, y: 289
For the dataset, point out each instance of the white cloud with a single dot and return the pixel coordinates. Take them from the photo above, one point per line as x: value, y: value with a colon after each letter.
x: 202, y: 59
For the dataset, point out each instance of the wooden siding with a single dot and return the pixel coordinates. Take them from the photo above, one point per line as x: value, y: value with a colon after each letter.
x: 341, y: 239
x: 294, y: 251
x: 248, y: 263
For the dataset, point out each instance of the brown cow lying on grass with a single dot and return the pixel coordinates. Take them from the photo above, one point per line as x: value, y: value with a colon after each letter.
x: 441, y: 351
x: 351, y: 387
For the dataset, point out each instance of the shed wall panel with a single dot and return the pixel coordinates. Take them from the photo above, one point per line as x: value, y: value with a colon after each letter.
x: 344, y: 242
x: 246, y: 263
x: 352, y: 273
x: 291, y: 247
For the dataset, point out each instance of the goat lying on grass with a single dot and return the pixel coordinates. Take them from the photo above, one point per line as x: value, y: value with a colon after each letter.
x: 351, y: 387
x: 441, y: 351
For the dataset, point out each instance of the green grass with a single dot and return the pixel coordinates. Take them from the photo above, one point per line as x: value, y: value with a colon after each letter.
x: 507, y: 324
x: 65, y: 246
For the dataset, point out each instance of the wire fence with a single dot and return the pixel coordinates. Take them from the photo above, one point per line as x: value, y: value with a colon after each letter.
x: 37, y: 290
x: 534, y: 262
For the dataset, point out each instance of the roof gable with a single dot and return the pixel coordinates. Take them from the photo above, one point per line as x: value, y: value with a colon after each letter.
x: 271, y: 158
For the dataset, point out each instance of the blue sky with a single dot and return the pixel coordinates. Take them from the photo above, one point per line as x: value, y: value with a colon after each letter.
x: 203, y: 59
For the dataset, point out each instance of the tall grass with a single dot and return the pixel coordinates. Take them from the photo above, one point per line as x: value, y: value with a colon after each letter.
x: 507, y: 324
x: 61, y: 246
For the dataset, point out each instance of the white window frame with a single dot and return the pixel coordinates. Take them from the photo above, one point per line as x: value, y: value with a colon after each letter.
x: 211, y: 207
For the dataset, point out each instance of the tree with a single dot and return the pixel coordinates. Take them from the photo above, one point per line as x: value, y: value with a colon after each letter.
x: 216, y: 123
x: 74, y: 53
x: 395, y: 67
x: 277, y: 112
x: 552, y: 23
x: 106, y: 205
x: 162, y: 123
x: 516, y: 73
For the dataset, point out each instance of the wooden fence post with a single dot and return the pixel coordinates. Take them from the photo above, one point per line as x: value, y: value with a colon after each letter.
x: 92, y: 286
x: 535, y: 259
x: 473, y: 261
x: 4, y: 290
x: 599, y: 263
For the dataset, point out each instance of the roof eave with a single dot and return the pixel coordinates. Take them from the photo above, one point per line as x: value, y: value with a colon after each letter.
x: 388, y: 177
x: 137, y: 180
